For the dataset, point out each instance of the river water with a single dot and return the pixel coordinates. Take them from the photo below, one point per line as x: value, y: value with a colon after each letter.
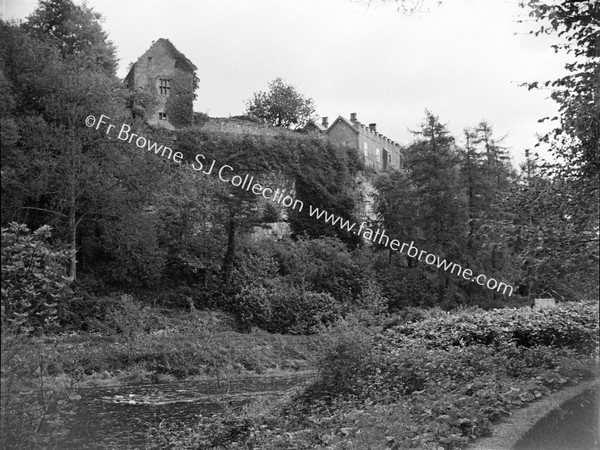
x: 573, y: 426
x: 119, y: 417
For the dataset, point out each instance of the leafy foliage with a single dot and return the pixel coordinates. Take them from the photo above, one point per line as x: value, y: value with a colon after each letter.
x: 77, y: 181
x: 34, y: 408
x: 180, y: 102
x: 281, y: 308
x: 75, y: 30
x: 384, y: 389
x: 35, y: 288
x: 299, y: 286
x: 282, y: 105
x: 566, y: 204
x: 429, y: 188
x: 576, y: 138
x: 566, y: 326
x: 552, y: 232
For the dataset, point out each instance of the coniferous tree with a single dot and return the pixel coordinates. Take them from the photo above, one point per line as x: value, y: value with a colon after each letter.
x: 425, y: 203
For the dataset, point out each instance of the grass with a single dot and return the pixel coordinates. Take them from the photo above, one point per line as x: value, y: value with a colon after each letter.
x: 39, y: 374
x: 432, y: 380
x: 198, y: 344
x: 439, y: 383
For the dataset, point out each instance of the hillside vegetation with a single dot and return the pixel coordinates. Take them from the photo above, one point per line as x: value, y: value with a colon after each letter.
x: 434, y: 380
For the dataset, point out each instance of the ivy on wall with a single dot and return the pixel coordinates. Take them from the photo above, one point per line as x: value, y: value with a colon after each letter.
x: 324, y: 173
x: 180, y: 103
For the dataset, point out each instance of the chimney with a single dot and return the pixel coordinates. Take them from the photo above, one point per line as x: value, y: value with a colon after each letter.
x: 353, y: 117
x: 325, y: 122
x: 373, y: 127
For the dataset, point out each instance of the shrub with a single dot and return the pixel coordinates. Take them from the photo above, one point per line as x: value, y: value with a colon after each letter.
x: 281, y: 308
x: 570, y: 326
x: 345, y: 360
x: 321, y: 265
x: 34, y: 283
x: 86, y: 312
x: 33, y: 407
x: 417, y: 288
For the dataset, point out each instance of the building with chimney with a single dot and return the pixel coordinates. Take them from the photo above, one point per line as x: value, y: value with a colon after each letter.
x: 164, y: 81
x: 377, y: 151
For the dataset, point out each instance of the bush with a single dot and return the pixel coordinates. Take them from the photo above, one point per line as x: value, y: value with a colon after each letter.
x: 345, y: 360
x: 321, y: 265
x: 86, y: 312
x: 569, y: 325
x: 281, y: 308
x: 34, y: 283
x: 34, y: 407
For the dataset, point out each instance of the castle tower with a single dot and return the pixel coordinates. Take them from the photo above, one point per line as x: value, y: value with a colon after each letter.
x: 164, y: 81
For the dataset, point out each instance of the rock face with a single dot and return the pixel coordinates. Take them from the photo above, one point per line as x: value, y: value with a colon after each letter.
x: 275, y: 214
x: 275, y: 231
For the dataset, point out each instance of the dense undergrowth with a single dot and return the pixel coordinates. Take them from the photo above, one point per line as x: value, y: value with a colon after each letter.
x: 39, y: 374
x: 438, y: 383
x: 200, y: 343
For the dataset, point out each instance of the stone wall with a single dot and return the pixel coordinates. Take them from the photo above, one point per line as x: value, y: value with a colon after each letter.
x: 243, y: 126
x: 375, y: 147
x: 171, y: 88
x: 343, y: 133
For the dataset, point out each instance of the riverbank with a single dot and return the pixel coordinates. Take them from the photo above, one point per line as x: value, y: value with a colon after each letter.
x: 430, y: 380
x: 43, y: 376
x: 186, y: 346
x: 441, y: 382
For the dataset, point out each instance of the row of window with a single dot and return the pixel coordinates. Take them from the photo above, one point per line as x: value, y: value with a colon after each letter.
x: 377, y: 153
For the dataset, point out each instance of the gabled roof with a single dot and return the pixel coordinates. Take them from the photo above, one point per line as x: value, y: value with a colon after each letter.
x: 182, y: 62
x: 345, y: 121
x: 357, y: 127
x: 317, y: 125
x: 176, y: 54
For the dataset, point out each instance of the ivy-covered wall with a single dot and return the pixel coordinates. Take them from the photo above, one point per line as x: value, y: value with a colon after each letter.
x: 180, y: 103
x: 320, y: 173
x: 164, y: 82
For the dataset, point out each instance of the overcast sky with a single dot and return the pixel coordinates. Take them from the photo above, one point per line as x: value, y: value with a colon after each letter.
x: 463, y: 61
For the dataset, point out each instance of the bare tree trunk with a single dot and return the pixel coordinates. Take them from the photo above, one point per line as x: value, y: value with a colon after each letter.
x: 227, y: 267
x: 73, y: 229
x: 441, y: 284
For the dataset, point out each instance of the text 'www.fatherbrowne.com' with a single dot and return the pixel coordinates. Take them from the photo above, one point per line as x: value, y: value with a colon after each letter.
x: 246, y: 182
x: 379, y: 237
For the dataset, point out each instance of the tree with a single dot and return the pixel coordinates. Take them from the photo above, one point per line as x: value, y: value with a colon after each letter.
x: 575, y: 141
x: 282, y: 105
x: 54, y: 95
x: 563, y: 234
x: 486, y: 175
x: 425, y: 203
x: 433, y: 164
x: 412, y: 7
x: 552, y: 234
x: 58, y: 171
x: 76, y: 30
